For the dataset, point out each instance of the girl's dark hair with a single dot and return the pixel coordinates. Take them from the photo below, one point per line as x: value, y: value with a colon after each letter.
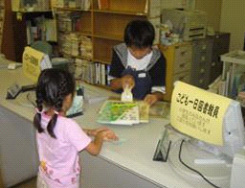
x: 52, y: 87
x: 139, y: 33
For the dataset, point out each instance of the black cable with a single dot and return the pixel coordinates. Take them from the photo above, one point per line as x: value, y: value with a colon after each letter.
x: 194, y: 170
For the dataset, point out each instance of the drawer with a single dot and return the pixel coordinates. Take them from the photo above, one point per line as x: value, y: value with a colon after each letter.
x: 183, y: 59
x: 181, y: 67
x: 198, y: 72
x: 200, y: 47
x: 203, y: 48
x: 183, y: 53
x: 200, y: 78
x: 184, y: 76
x: 201, y: 83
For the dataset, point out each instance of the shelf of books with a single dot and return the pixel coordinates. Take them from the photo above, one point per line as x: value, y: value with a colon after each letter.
x: 2, y: 12
x: 88, y: 34
x: 232, y: 83
x: 23, y: 6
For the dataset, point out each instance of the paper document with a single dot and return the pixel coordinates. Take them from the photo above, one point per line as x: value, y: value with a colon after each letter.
x: 33, y: 62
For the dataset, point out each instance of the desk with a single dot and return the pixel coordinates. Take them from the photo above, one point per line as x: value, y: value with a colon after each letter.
x: 127, y: 165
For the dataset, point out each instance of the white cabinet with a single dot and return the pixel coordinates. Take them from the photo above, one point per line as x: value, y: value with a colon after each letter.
x: 18, y: 154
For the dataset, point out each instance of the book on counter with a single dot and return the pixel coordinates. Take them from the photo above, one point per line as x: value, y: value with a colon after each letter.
x: 123, y: 113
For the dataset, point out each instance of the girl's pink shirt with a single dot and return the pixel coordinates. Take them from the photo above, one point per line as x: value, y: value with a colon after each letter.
x: 59, y: 159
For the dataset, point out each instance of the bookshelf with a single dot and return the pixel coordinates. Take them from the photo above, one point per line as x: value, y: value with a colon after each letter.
x: 233, y: 75
x: 2, y: 14
x: 7, y: 34
x: 103, y: 23
x: 31, y: 21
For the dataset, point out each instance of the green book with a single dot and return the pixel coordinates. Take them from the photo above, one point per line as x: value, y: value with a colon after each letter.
x: 117, y: 112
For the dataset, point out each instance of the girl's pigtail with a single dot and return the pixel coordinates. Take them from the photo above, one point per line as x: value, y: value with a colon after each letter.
x: 52, y: 122
x: 51, y: 125
x: 37, y: 117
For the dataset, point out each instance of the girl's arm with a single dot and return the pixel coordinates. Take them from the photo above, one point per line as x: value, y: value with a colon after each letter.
x: 95, y: 146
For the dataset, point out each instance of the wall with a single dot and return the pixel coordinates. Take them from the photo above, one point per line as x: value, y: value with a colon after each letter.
x: 213, y: 10
x: 232, y: 20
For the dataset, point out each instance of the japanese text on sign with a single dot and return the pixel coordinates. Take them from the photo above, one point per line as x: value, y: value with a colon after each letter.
x: 199, y: 105
x: 195, y: 112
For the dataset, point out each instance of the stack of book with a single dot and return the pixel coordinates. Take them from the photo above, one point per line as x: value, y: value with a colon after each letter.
x: 74, y: 4
x: 233, y: 76
x: 74, y: 39
x: 76, y: 45
x: 93, y: 73
x: 86, y: 47
x: 64, y: 23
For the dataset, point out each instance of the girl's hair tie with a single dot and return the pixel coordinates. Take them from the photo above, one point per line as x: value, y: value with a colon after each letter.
x: 38, y: 111
x: 56, y: 112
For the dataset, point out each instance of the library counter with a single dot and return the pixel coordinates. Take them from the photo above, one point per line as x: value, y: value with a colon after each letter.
x: 124, y: 164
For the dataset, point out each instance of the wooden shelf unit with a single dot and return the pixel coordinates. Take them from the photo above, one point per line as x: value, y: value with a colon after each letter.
x: 109, y: 25
x: 2, y: 15
x: 105, y: 26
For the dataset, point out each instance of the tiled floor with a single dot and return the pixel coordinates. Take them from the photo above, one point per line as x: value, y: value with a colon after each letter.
x: 28, y: 184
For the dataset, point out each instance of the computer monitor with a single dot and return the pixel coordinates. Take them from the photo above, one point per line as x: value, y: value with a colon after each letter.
x: 210, y: 159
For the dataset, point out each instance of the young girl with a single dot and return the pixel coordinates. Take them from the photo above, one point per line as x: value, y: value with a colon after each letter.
x: 60, y: 139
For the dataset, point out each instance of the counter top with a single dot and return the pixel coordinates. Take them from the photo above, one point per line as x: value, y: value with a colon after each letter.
x: 134, y: 154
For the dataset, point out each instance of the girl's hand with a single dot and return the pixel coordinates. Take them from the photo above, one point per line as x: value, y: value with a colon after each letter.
x: 107, y: 135
x: 94, y: 132
x: 110, y: 135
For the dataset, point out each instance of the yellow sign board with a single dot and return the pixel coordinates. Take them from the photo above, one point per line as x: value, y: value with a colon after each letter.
x: 198, y: 113
x: 33, y: 62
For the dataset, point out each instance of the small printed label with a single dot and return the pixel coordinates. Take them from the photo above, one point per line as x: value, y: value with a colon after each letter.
x: 142, y: 75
